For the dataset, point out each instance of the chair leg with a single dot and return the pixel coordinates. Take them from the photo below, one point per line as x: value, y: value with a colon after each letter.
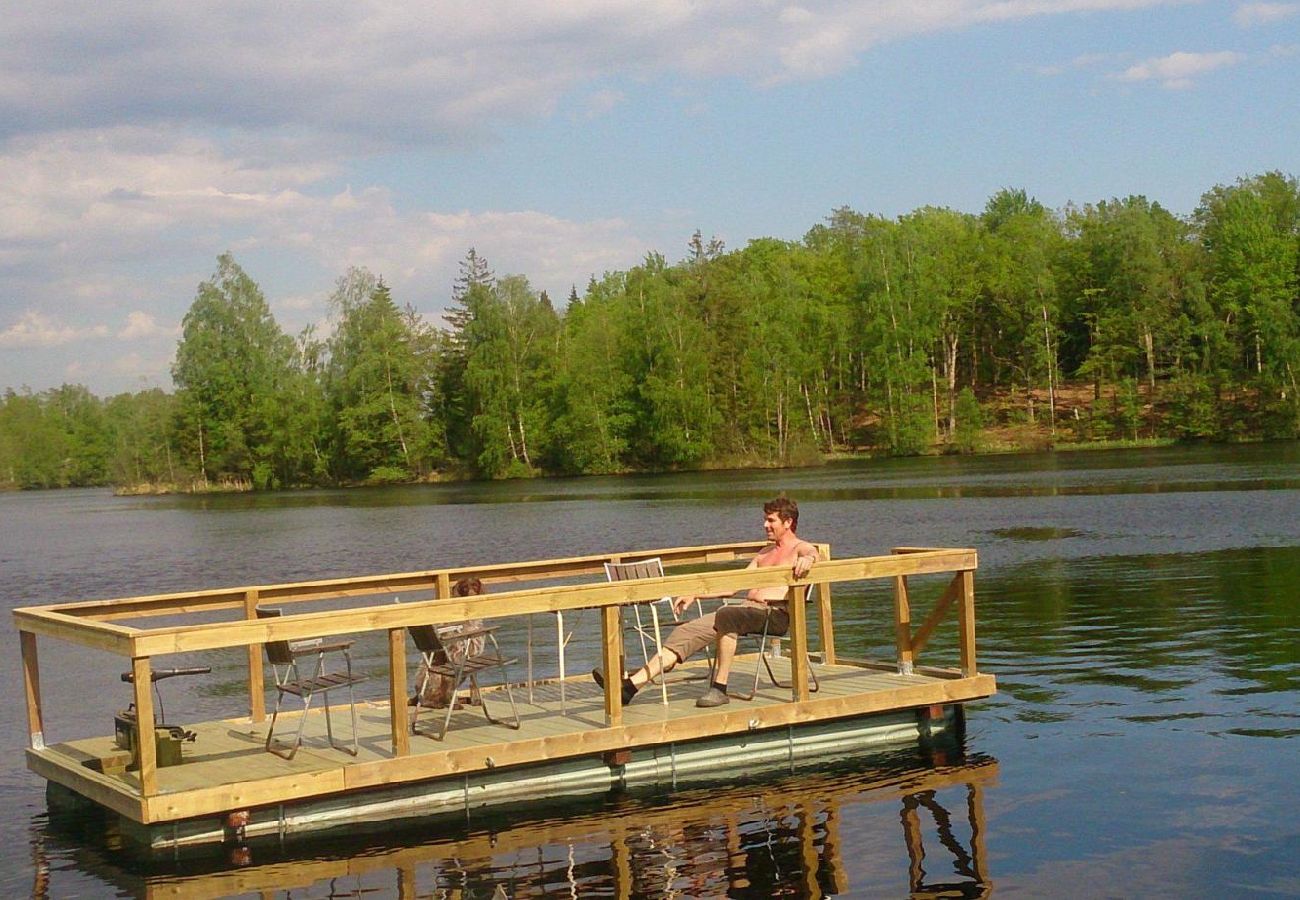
x: 302, y: 723
x: 419, y: 694
x: 762, y: 642
x: 505, y: 680
x: 514, y: 710
x: 659, y: 646
x: 352, y: 705
x: 559, y: 629
x: 270, y: 731
x: 457, y: 676
x: 530, y: 658
x: 813, y: 688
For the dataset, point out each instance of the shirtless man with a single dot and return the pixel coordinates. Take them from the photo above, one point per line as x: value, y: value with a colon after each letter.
x: 780, y: 517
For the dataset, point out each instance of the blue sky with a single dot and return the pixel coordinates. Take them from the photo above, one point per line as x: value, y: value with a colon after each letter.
x: 139, y: 141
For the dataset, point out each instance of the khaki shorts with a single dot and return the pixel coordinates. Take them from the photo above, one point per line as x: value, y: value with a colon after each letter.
x: 739, y: 618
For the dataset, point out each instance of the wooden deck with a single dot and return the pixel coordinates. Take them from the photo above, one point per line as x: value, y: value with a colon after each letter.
x: 226, y: 768
x: 228, y: 771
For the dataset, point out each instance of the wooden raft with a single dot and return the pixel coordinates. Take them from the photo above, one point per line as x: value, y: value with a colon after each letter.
x: 227, y: 769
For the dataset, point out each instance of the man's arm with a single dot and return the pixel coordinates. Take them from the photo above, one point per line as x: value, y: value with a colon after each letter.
x: 680, y: 603
x: 805, y: 557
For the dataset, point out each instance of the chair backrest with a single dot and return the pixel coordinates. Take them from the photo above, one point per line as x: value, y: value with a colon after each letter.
x: 278, y: 652
x: 426, y: 638
x: 629, y: 571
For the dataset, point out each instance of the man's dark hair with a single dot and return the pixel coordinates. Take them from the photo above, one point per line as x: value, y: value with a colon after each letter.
x: 784, y: 507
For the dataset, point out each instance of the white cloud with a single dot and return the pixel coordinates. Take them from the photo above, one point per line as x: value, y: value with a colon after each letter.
x: 143, y: 325
x: 1248, y: 15
x: 1177, y: 70
x: 443, y: 74
x: 35, y: 329
x: 95, y: 228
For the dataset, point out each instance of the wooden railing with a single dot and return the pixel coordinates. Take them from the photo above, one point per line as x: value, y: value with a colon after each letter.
x: 94, y: 624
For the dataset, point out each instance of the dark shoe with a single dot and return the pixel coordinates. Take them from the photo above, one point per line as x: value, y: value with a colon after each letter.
x: 628, y: 690
x: 712, y: 697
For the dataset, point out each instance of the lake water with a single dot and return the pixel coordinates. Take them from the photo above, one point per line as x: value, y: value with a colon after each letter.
x: 1141, y: 610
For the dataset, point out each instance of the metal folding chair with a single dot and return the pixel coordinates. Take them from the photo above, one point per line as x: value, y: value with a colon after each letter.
x: 451, y: 656
x: 284, y: 657
x: 762, y: 648
x: 647, y: 633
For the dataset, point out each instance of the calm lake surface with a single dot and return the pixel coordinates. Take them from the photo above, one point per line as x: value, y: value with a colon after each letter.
x: 1140, y: 609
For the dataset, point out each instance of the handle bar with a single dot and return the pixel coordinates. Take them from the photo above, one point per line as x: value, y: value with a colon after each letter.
x: 160, y: 674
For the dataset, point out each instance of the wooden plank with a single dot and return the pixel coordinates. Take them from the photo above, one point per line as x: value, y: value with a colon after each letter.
x: 922, y: 636
x: 966, y: 623
x: 225, y: 797
x: 401, y: 731
x: 902, y: 625
x: 151, y: 605
x: 737, y: 718
x: 106, y: 790
x: 337, y: 775
x: 232, y: 598
x: 210, y: 636
x: 612, y: 661
x: 798, y: 643
x: 256, y: 674
x: 145, y: 740
x: 825, y: 612
x: 32, y: 691
x: 99, y: 636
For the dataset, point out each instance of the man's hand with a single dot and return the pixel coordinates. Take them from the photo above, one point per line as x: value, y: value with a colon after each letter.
x: 803, y: 564
x: 680, y: 604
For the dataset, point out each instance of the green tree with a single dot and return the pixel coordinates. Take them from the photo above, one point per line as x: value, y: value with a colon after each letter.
x: 377, y: 379
x: 231, y: 366
x: 511, y: 341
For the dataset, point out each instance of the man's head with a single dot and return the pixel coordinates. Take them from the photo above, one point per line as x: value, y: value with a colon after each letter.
x: 785, y: 509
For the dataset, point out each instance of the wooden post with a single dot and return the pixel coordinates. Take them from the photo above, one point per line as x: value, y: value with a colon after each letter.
x: 798, y: 643
x: 145, y: 735
x: 442, y: 588
x: 32, y: 689
x: 611, y: 659
x: 397, y: 691
x: 966, y: 622
x: 256, y: 690
x: 824, y: 613
x: 902, y: 625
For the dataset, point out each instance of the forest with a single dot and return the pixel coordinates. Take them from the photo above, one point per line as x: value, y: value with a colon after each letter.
x: 936, y: 331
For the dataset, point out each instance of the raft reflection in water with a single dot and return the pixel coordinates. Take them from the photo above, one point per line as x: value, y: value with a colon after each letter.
x: 818, y: 832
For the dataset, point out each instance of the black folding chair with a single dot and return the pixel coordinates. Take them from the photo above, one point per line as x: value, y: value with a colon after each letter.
x: 289, y: 679
x: 452, y: 656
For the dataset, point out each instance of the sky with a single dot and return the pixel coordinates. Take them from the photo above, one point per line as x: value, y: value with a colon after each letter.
x: 139, y: 141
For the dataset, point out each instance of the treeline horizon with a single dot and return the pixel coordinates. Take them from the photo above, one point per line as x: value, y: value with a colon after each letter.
x: 892, y: 334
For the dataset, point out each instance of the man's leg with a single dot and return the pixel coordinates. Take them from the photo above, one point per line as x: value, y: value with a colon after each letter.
x: 725, y: 652
x: 731, y: 622
x: 663, y: 661
x: 684, y: 640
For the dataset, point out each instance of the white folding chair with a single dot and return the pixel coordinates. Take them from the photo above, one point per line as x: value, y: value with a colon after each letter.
x: 647, y: 633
